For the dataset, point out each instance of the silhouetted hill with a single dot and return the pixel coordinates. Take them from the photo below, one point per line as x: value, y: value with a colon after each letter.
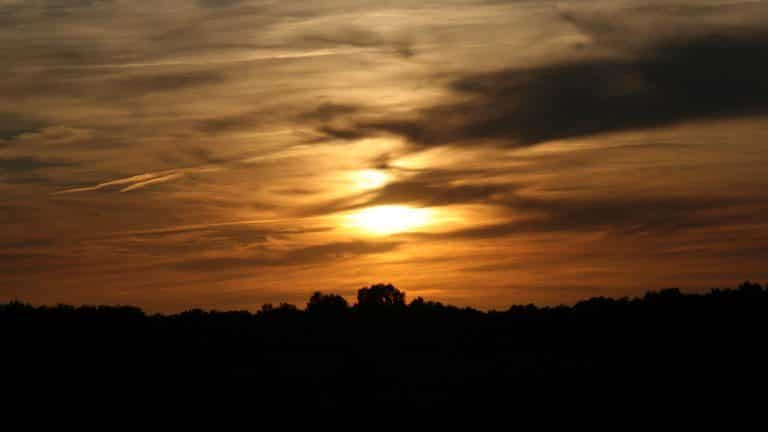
x: 385, y: 350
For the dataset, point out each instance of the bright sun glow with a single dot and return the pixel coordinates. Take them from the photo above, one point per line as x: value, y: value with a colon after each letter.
x: 389, y: 219
x: 370, y: 179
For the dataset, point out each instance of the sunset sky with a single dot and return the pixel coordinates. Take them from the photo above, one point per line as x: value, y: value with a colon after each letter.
x: 224, y: 154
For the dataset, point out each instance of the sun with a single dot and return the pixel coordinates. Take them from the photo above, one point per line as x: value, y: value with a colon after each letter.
x: 369, y: 179
x: 389, y: 219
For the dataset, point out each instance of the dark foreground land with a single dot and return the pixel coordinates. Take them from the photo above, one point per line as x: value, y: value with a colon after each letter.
x: 383, y: 350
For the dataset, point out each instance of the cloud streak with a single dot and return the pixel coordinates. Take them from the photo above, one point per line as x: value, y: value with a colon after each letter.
x: 140, y: 181
x: 310, y: 255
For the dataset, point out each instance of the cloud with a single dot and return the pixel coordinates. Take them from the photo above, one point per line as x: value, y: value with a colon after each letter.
x: 533, y: 207
x: 26, y: 243
x: 155, y: 180
x: 330, y: 111
x: 437, y: 194
x: 240, y: 231
x: 146, y: 83
x: 185, y: 242
x: 128, y: 184
x: 137, y: 179
x: 359, y: 37
x: 245, y: 121
x: 24, y: 164
x: 218, y: 3
x: 630, y: 26
x: 625, y: 216
x: 13, y: 125
x: 53, y: 136
x: 330, y: 252
x: 717, y: 75
x: 437, y: 188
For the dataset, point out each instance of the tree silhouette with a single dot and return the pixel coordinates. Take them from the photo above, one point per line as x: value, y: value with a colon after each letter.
x: 380, y: 295
x: 329, y: 304
x: 750, y: 289
x: 381, y: 351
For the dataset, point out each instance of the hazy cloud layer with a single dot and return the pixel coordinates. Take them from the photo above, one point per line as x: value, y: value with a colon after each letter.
x: 324, y: 253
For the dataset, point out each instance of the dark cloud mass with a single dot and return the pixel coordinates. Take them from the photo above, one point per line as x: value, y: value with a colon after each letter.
x: 711, y: 76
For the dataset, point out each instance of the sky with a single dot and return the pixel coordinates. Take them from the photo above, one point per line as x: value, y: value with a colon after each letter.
x: 223, y: 154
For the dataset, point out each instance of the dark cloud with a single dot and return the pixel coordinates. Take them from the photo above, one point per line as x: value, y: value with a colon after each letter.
x: 330, y: 111
x: 14, y: 124
x: 232, y: 123
x: 424, y: 189
x: 303, y: 256
x: 625, y: 216
x: 713, y: 76
x: 66, y: 4
x: 297, y: 191
x: 168, y: 81
x: 101, y: 84
x: 252, y: 119
x: 228, y: 236
x: 241, y: 233
x: 27, y: 243
x: 52, y: 7
x: 438, y: 188
x: 218, y: 3
x: 26, y: 164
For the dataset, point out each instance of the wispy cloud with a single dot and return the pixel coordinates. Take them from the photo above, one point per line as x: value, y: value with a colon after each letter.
x: 309, y: 255
x: 140, y: 181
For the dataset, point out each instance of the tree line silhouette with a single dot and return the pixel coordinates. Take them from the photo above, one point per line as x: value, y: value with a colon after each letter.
x: 386, y: 349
